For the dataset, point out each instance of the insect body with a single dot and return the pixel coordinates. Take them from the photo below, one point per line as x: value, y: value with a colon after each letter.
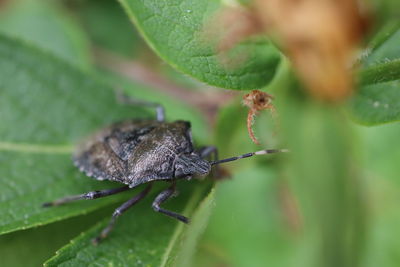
x: 135, y: 152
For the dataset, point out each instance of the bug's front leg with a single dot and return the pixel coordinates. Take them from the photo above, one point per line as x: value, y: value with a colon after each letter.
x: 119, y: 211
x: 123, y: 98
x: 206, y: 151
x: 162, y: 197
x: 89, y: 195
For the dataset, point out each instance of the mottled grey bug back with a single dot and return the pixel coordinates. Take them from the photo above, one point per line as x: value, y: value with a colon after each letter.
x: 134, y: 152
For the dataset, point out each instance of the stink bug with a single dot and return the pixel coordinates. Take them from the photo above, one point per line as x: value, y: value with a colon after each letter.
x: 136, y: 152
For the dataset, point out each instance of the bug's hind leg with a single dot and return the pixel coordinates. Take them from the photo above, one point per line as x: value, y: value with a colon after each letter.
x: 119, y: 211
x: 89, y: 195
x: 123, y: 98
x: 162, y: 197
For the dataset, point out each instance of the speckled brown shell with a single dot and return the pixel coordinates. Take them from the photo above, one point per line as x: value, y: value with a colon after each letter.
x: 134, y: 152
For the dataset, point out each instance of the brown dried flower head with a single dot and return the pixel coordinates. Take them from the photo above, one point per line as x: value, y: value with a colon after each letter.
x: 318, y: 36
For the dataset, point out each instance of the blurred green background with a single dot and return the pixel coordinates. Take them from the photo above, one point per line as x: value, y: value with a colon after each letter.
x: 332, y: 202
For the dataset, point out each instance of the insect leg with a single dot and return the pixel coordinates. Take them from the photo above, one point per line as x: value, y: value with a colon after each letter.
x: 208, y: 151
x: 123, y: 98
x: 119, y: 211
x: 162, y: 197
x: 89, y: 195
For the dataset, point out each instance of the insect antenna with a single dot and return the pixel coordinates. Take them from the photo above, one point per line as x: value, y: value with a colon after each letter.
x: 247, y: 155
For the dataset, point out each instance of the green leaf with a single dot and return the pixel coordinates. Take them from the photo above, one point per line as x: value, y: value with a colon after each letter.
x: 377, y: 100
x: 325, y: 176
x: 30, y: 179
x: 377, y: 104
x: 108, y: 27
x: 21, y: 248
x: 384, y: 10
x: 381, y: 159
x: 182, y: 250
x: 246, y: 227
x: 380, y: 73
x: 140, y: 238
x: 231, y: 133
x: 46, y: 25
x: 380, y: 156
x: 383, y: 34
x: 176, y: 31
x: 45, y: 107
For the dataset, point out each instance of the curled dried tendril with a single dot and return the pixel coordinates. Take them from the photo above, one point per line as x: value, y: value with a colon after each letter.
x: 256, y: 101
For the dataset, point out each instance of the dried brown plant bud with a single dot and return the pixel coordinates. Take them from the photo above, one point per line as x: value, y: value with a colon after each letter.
x: 256, y: 101
x: 320, y: 37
